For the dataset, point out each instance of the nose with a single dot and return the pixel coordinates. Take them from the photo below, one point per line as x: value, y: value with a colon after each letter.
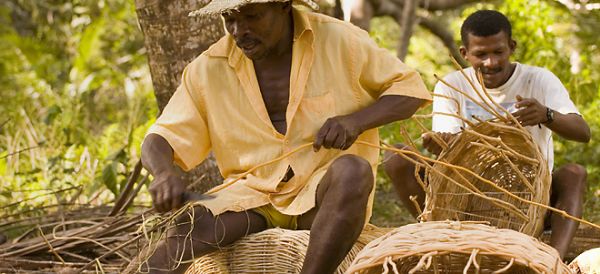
x: 490, y: 62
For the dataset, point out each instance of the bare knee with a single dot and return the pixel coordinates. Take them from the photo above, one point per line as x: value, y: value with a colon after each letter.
x: 393, y: 162
x: 353, y: 177
x: 570, y: 178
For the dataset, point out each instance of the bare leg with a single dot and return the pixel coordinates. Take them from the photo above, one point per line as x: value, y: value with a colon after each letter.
x: 402, y: 174
x: 207, y: 234
x: 339, y: 217
x: 568, y: 189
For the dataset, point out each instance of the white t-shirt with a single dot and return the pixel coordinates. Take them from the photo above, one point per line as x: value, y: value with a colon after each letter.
x: 526, y: 81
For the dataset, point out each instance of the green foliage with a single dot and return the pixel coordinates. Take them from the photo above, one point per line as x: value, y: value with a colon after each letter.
x: 75, y: 96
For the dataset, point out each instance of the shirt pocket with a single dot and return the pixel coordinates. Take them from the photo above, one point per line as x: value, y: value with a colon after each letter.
x: 314, y: 111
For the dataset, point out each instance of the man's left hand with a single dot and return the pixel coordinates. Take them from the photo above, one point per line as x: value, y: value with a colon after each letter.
x: 338, y: 132
x: 531, y: 112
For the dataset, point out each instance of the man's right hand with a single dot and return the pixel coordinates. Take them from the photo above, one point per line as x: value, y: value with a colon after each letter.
x: 430, y: 143
x: 167, y: 191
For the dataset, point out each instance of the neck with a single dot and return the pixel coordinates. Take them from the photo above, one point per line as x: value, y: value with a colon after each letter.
x: 283, y: 49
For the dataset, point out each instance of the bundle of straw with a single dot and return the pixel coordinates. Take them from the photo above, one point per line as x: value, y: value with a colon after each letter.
x: 456, y: 247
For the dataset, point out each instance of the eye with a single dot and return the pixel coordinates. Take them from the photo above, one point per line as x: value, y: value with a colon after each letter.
x: 252, y: 16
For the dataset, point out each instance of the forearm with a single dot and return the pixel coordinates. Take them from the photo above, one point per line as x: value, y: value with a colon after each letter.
x: 157, y: 154
x: 570, y: 126
x: 387, y: 109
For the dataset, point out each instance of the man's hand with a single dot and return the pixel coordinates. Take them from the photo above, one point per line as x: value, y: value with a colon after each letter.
x: 531, y: 112
x: 338, y: 132
x: 167, y: 192
x: 431, y: 145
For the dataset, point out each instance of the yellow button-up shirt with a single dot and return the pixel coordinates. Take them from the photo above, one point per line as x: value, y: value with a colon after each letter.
x: 336, y: 70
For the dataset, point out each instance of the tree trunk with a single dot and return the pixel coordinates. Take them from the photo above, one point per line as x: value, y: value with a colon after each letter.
x: 407, y: 23
x: 173, y: 39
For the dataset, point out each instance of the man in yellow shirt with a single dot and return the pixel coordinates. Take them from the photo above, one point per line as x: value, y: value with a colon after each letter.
x: 280, y: 79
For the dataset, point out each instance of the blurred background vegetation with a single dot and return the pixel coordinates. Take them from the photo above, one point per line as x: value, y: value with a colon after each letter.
x: 76, y: 94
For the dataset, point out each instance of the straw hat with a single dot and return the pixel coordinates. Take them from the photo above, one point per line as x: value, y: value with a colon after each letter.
x: 220, y: 6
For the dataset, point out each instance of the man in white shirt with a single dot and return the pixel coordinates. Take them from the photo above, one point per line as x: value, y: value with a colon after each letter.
x: 534, y: 95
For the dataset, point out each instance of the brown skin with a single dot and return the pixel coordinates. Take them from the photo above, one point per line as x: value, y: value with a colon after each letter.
x: 491, y: 54
x: 264, y: 33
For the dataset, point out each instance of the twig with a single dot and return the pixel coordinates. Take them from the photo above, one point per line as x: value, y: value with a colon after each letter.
x: 124, y: 195
x: 17, y: 152
x: 49, y: 245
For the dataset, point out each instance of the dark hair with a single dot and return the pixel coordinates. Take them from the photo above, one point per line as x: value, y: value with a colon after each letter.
x: 484, y: 23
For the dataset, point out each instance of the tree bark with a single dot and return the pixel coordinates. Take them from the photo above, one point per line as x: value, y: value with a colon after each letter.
x: 173, y: 39
x: 407, y: 23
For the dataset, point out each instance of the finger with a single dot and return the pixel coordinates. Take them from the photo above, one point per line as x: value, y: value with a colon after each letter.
x: 165, y: 202
x: 524, y: 112
x: 519, y: 98
x: 524, y: 103
x: 529, y: 120
x: 176, y: 199
x: 340, y: 141
x: 320, y: 138
x: 157, y: 201
x: 330, y: 139
x: 426, y: 138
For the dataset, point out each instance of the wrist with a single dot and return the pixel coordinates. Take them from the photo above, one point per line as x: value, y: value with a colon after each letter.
x: 355, y: 124
x: 549, y: 116
x: 164, y: 173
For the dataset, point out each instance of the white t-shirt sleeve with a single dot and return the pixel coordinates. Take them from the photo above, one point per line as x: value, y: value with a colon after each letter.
x: 555, y: 94
x: 442, y: 106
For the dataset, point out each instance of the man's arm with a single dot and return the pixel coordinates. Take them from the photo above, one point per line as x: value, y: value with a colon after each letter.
x: 569, y: 126
x: 167, y: 188
x: 340, y: 132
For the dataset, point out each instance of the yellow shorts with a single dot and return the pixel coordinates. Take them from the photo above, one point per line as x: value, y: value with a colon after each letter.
x: 275, y: 218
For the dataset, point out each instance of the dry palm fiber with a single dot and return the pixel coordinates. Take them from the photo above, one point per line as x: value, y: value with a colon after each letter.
x: 272, y: 251
x: 68, y: 240
x: 456, y: 247
x: 502, y: 154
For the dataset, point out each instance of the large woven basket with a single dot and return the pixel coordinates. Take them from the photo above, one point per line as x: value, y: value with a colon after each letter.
x: 509, y: 160
x: 456, y: 247
x: 272, y: 251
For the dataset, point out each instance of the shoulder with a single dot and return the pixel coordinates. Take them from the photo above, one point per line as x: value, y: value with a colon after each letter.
x: 456, y: 77
x: 325, y: 26
x: 539, y: 73
x: 216, y: 55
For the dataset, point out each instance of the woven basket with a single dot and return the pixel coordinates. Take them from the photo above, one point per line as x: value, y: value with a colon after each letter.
x: 272, y: 251
x: 456, y: 247
x: 507, y: 157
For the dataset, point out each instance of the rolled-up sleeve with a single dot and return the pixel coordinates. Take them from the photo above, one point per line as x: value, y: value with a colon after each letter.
x: 381, y: 73
x: 183, y: 124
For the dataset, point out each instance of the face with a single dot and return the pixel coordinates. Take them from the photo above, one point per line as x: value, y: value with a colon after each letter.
x: 490, y: 54
x: 258, y: 28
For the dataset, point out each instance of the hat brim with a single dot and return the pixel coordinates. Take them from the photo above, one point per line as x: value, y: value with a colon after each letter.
x: 221, y: 6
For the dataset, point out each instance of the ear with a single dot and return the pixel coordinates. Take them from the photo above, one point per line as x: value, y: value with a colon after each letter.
x: 463, y: 52
x: 513, y: 45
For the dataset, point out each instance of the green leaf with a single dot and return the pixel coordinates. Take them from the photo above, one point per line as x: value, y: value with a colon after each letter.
x: 52, y: 113
x: 109, y: 177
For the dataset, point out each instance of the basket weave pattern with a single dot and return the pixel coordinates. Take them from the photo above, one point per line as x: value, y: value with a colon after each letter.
x: 507, y: 157
x: 272, y: 251
x: 456, y: 247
